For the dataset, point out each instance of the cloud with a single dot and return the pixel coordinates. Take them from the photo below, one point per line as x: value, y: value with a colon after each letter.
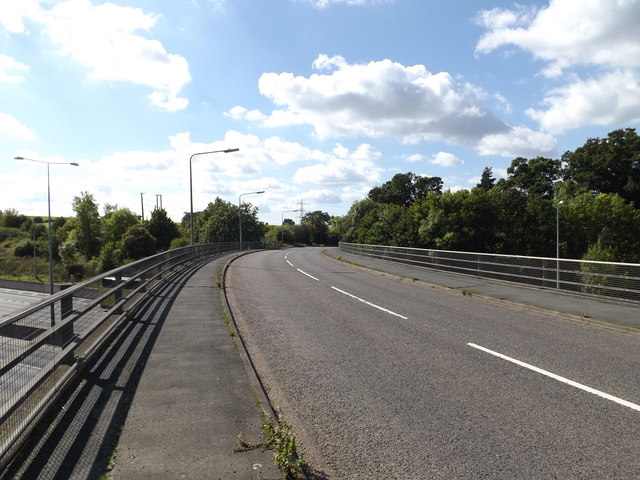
x: 519, y: 142
x: 343, y: 168
x: 328, y: 3
x: 600, y: 34
x: 12, y: 14
x: 609, y: 99
x: 383, y: 99
x: 6, y: 65
x: 567, y: 33
x: 11, y: 127
x: 106, y: 39
x: 445, y: 159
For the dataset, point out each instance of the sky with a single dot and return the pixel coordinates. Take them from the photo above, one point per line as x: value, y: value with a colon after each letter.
x: 324, y: 99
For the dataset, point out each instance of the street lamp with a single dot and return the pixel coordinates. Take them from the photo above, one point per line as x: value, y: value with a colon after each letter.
x: 227, y: 150
x: 49, y: 206
x: 282, y: 225
x: 561, y: 202
x: 240, y: 213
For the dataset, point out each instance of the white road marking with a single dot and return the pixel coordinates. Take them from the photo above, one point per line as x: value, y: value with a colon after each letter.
x: 370, y: 304
x: 290, y: 264
x: 305, y: 273
x: 559, y: 378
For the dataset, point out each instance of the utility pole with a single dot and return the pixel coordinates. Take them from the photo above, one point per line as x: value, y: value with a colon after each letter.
x: 142, y: 204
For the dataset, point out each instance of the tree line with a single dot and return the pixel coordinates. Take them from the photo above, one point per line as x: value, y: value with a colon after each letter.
x: 90, y: 243
x: 589, y: 197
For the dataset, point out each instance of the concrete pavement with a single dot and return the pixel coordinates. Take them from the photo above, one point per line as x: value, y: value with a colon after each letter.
x: 193, y: 398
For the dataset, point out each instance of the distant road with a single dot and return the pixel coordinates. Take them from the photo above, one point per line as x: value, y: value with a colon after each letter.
x: 14, y: 300
x: 383, y: 378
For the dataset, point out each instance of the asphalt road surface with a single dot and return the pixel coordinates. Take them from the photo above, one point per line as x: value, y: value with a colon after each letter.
x: 385, y: 378
x: 13, y: 300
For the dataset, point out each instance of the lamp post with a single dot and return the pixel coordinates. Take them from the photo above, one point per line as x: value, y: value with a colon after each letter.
x: 240, y: 213
x: 282, y: 225
x: 227, y: 150
x: 561, y: 202
x: 49, y: 208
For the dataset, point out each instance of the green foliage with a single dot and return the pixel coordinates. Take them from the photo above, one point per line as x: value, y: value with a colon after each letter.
x: 608, y: 165
x: 7, y: 233
x: 405, y: 188
x: 11, y: 218
x: 280, y: 439
x: 88, y: 228
x: 162, y: 228
x: 109, y: 257
x: 23, y: 249
x: 117, y: 222
x: 137, y: 243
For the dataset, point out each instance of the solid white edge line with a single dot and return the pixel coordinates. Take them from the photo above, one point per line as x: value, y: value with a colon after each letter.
x: 305, y: 273
x: 559, y: 378
x: 370, y: 304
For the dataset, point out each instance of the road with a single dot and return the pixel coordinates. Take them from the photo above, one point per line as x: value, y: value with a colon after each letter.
x: 14, y: 300
x: 386, y: 378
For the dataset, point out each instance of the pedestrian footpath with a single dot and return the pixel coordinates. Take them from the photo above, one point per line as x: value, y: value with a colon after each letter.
x: 193, y: 398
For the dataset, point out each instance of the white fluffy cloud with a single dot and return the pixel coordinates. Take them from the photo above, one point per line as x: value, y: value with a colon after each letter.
x: 9, y: 68
x: 446, y: 159
x: 12, y: 127
x: 592, y: 34
x: 106, y: 38
x: 343, y: 168
x: 608, y: 99
x: 568, y: 33
x: 379, y: 99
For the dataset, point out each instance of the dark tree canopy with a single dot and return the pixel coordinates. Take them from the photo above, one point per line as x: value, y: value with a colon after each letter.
x: 486, y: 180
x: 162, y: 228
x: 608, y: 165
x: 405, y: 189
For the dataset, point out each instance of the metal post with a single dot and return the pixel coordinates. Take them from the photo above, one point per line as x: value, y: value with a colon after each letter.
x: 228, y: 150
x: 240, y: 214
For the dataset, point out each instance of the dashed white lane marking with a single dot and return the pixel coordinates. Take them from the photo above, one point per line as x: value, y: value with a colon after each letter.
x: 370, y: 304
x: 348, y: 294
x: 305, y: 273
x: 559, y: 378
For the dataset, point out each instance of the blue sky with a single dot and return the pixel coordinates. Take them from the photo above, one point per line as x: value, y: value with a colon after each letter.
x: 324, y: 98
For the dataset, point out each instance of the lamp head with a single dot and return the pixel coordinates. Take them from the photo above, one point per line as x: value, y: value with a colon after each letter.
x: 229, y: 150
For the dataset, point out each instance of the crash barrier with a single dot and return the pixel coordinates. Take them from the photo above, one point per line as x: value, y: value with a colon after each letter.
x: 44, y: 347
x: 620, y: 281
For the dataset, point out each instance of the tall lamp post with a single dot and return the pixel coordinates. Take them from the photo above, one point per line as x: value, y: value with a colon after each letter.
x: 282, y: 224
x: 240, y: 212
x: 561, y: 202
x: 226, y: 150
x: 49, y: 207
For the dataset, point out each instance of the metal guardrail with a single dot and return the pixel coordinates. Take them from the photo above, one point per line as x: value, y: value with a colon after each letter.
x: 44, y: 346
x: 620, y: 281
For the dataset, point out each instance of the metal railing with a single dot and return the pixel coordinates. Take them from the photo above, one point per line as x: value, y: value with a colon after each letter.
x: 620, y: 281
x: 44, y: 346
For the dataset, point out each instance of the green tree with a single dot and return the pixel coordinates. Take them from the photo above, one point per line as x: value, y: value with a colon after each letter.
x: 536, y: 176
x: 162, y: 228
x: 117, y: 222
x: 318, y: 222
x: 487, y: 181
x: 405, y: 189
x: 137, y: 243
x: 608, y: 165
x: 88, y: 227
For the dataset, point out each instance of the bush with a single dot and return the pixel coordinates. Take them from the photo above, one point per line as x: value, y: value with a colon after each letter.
x: 23, y: 249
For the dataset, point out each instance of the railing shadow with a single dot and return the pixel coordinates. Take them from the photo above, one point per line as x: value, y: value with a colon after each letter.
x: 78, y: 437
